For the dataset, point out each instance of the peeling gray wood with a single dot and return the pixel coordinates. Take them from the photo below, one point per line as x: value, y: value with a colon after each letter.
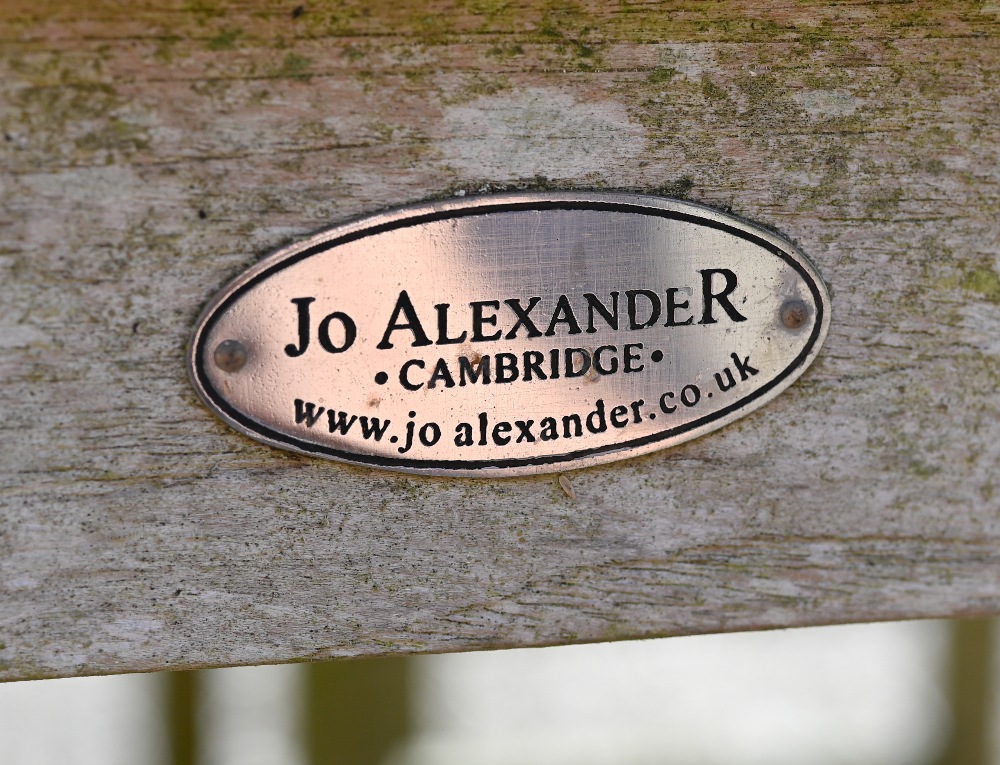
x: 149, y: 154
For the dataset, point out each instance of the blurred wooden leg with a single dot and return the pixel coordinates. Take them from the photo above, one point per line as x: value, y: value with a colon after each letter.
x: 357, y: 710
x: 969, y: 688
x: 180, y: 711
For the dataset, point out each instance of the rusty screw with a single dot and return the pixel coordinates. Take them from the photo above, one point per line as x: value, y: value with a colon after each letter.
x: 794, y: 314
x: 230, y: 356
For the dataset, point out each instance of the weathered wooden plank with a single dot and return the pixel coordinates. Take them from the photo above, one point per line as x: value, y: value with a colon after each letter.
x: 150, y: 153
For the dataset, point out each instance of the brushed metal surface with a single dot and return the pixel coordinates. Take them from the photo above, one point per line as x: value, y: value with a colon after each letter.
x: 510, y: 334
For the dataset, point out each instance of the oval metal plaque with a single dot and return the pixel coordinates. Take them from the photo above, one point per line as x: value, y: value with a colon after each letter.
x: 510, y: 334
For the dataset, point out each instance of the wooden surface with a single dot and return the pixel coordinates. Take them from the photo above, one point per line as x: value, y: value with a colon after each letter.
x: 152, y: 150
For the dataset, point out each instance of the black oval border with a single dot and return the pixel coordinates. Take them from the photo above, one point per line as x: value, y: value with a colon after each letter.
x: 223, y: 406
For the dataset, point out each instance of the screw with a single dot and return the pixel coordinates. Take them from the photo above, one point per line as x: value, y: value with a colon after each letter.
x: 794, y: 314
x: 230, y: 356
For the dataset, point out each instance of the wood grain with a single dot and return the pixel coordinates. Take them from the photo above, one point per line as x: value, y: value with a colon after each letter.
x: 151, y: 151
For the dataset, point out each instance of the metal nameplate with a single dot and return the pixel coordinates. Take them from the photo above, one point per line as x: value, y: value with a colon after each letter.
x: 510, y: 334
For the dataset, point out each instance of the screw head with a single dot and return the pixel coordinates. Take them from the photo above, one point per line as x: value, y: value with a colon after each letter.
x: 794, y: 314
x: 230, y: 356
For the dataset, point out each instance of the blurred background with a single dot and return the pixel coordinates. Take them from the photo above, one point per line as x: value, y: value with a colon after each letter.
x: 905, y: 693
